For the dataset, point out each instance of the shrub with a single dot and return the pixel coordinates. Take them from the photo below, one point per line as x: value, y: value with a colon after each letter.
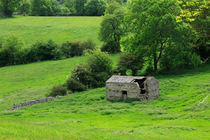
x: 43, y: 51
x: 130, y: 62
x: 66, y: 49
x: 59, y: 90
x: 82, y: 73
x: 45, y: 7
x: 110, y: 47
x: 100, y: 79
x: 75, y: 85
x: 64, y: 11
x: 88, y: 45
x: 76, y: 49
x: 100, y: 62
x: 10, y: 50
x: 95, y: 7
x: 179, y: 57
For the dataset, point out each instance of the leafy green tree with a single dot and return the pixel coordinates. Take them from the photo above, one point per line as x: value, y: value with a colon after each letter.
x: 25, y: 7
x: 64, y: 11
x: 10, y: 50
x: 153, y: 28
x: 9, y: 6
x: 80, y: 7
x: 100, y: 66
x: 192, y: 10
x: 45, y: 7
x: 112, y: 27
x: 130, y: 62
x: 95, y: 7
x: 196, y: 12
x: 71, y: 5
x: 118, y: 1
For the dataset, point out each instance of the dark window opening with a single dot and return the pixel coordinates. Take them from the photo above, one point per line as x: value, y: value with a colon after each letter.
x: 140, y: 82
x: 124, y: 95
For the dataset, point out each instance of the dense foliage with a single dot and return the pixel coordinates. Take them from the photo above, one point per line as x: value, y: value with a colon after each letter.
x: 196, y: 13
x: 7, y: 7
x: 111, y: 27
x: 58, y: 90
x: 45, y: 7
x: 95, y: 7
x: 129, y: 62
x: 53, y: 7
x: 24, y: 8
x: 154, y: 29
x: 94, y: 73
x: 75, y: 85
x: 12, y: 50
x: 167, y: 34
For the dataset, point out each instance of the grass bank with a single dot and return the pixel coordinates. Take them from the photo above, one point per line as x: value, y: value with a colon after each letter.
x: 59, y: 29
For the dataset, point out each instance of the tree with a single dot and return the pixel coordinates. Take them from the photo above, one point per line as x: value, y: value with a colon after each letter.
x: 95, y: 7
x: 80, y: 7
x: 10, y: 50
x: 64, y: 11
x: 71, y: 5
x: 25, y: 7
x: 196, y: 12
x: 9, y: 6
x: 130, y: 62
x: 153, y: 28
x: 100, y: 66
x: 192, y: 10
x: 112, y: 27
x: 45, y: 7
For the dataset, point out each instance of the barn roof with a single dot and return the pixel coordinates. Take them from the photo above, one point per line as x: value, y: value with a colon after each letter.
x: 122, y: 79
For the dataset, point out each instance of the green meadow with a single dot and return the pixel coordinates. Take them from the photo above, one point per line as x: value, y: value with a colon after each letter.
x: 181, y: 112
x: 58, y: 29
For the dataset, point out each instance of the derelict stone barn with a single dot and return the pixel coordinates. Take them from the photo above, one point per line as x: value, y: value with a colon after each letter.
x: 123, y: 87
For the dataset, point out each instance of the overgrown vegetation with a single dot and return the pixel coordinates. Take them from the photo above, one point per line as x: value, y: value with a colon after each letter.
x: 53, y: 7
x: 129, y: 62
x: 58, y: 90
x: 93, y: 74
x: 182, y: 110
x: 12, y: 50
x: 164, y: 33
x: 111, y: 27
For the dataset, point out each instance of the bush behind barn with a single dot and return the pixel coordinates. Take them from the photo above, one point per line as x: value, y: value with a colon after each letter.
x: 93, y: 74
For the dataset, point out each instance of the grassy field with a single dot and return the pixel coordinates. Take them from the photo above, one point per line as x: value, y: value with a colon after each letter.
x: 59, y: 29
x: 181, y: 112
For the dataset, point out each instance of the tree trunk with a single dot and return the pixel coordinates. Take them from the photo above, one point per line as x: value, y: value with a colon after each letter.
x: 155, y: 65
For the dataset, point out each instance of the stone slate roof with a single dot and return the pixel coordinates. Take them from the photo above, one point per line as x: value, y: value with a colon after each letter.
x: 123, y: 79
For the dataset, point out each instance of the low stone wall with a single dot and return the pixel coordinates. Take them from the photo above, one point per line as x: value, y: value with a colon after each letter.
x: 30, y: 103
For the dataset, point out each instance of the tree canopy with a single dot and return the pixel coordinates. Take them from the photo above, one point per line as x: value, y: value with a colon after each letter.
x: 7, y: 7
x: 112, y: 27
x: 153, y: 28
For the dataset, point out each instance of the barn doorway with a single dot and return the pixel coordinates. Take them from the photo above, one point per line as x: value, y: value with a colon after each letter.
x: 124, y: 95
x: 140, y: 82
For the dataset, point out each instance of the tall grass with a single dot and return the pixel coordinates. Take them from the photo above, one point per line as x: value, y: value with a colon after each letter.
x: 181, y: 112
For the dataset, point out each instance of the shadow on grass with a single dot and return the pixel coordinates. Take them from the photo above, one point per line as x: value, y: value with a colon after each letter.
x: 3, y: 18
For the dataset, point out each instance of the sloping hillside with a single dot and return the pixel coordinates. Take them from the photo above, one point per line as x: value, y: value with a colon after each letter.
x: 181, y: 112
x: 58, y: 29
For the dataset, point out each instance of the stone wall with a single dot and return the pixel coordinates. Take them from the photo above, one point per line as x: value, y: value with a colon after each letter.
x: 30, y: 103
x: 114, y: 90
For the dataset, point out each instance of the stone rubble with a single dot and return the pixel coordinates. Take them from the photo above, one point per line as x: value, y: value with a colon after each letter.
x: 30, y: 103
